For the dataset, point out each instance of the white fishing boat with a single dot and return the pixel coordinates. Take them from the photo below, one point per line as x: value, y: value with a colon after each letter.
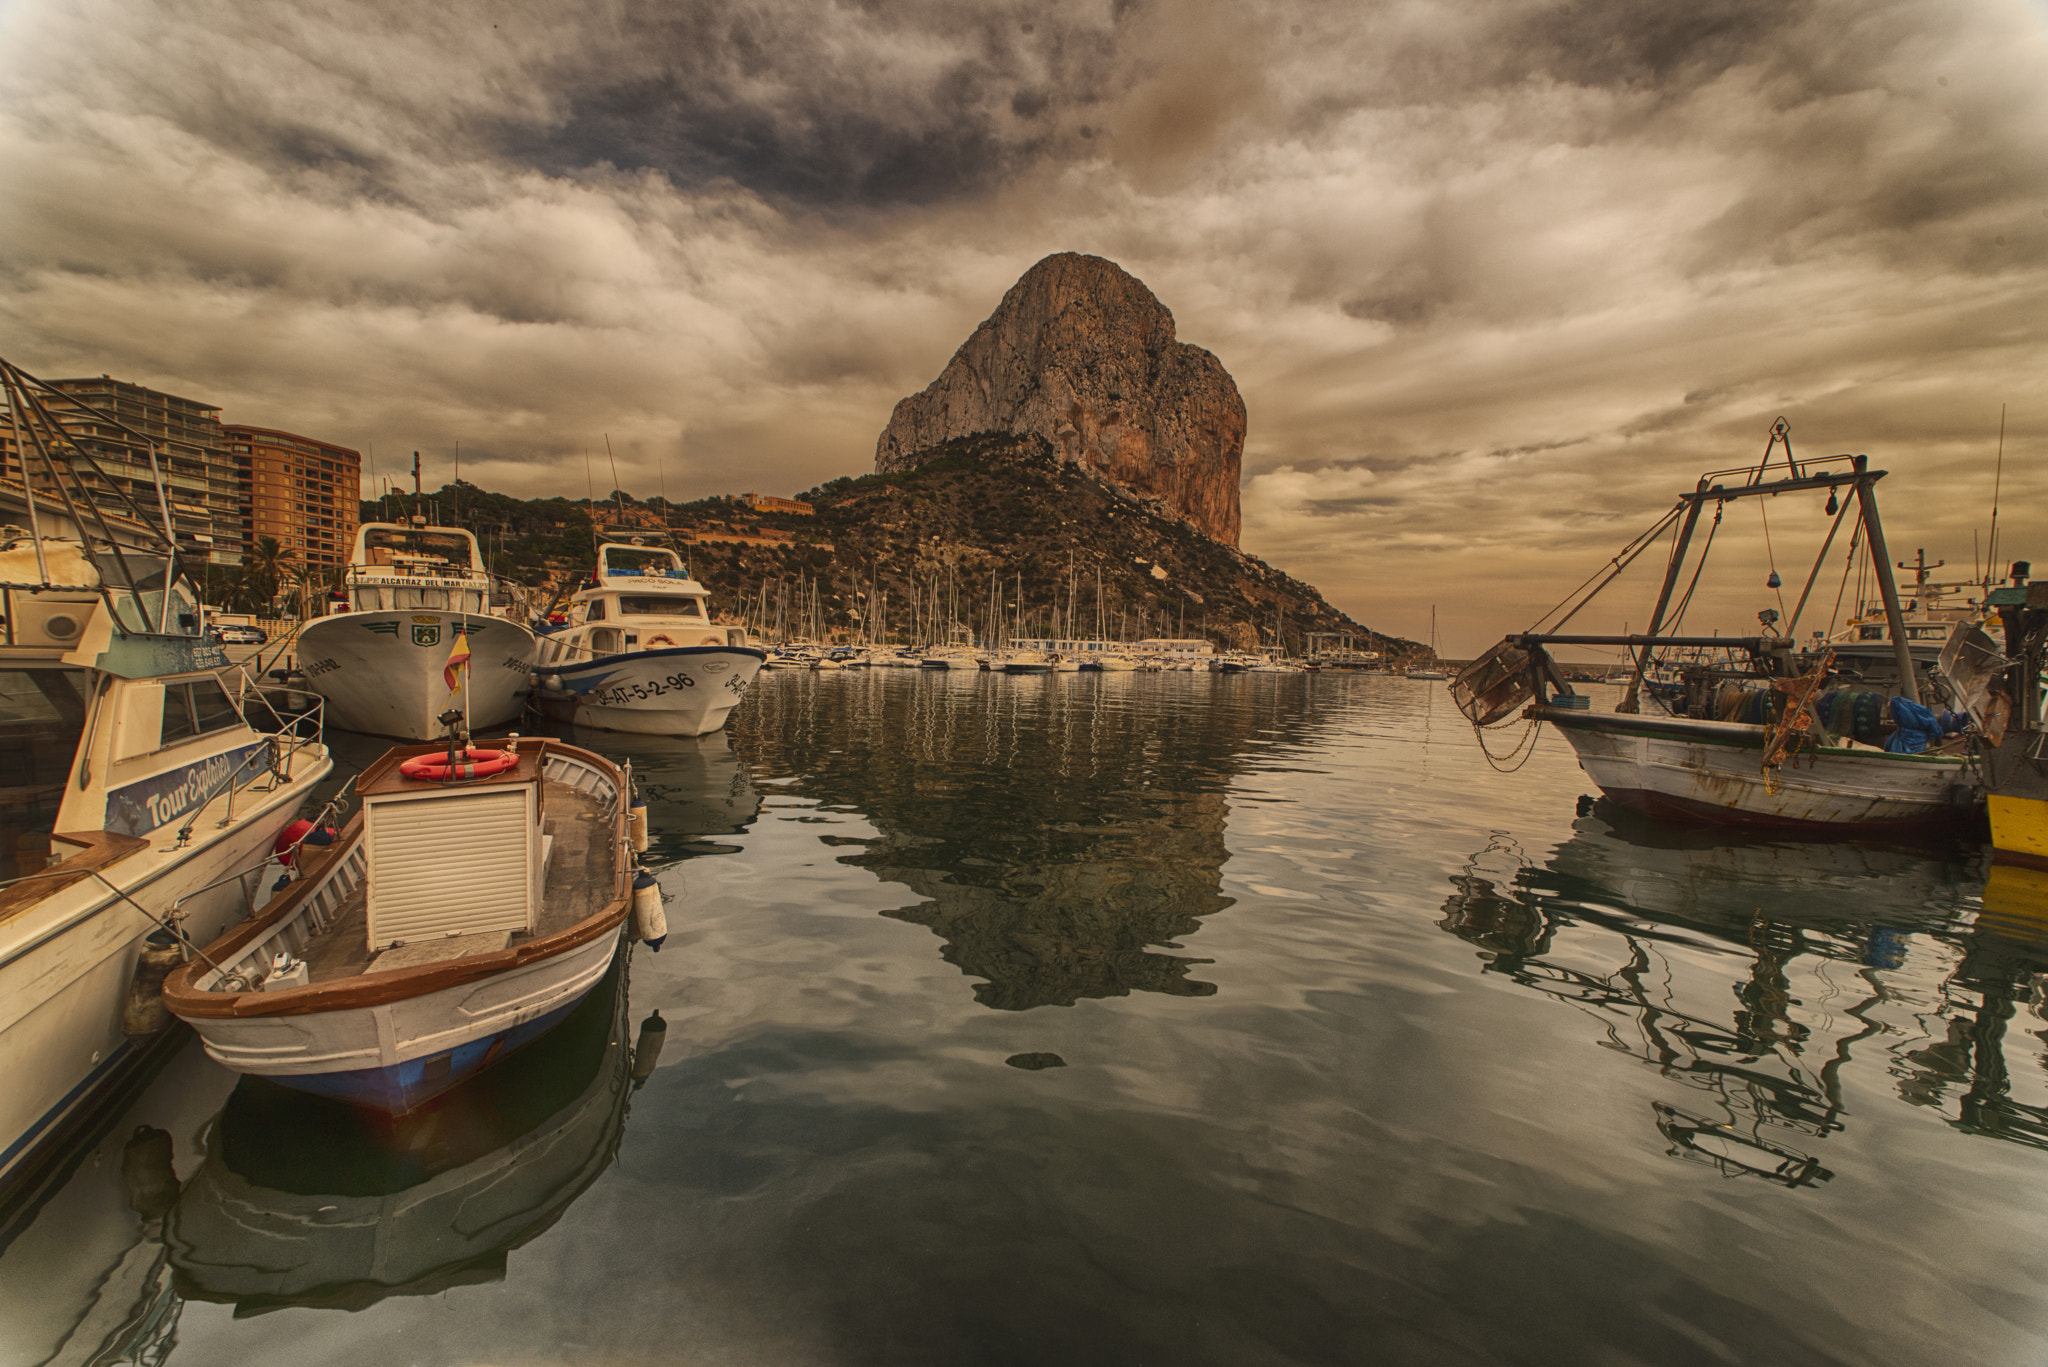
x: 465, y: 910
x: 138, y: 805
x: 1713, y: 772
x: 414, y: 598
x: 640, y: 652
x: 1761, y: 751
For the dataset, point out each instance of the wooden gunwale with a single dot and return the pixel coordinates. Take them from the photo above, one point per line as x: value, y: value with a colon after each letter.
x: 102, y: 849
x: 399, y: 984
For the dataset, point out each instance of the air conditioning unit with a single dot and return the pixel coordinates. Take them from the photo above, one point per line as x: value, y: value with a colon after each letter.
x: 43, y: 622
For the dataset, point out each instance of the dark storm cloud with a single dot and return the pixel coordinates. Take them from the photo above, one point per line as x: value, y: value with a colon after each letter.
x: 1490, y: 276
x: 877, y: 105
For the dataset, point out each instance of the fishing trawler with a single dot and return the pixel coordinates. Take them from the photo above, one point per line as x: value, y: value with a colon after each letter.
x: 640, y: 653
x: 413, y: 597
x: 1777, y: 739
x: 139, y: 805
x: 478, y: 895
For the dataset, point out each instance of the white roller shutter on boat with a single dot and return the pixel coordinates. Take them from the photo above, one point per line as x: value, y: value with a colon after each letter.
x: 451, y: 865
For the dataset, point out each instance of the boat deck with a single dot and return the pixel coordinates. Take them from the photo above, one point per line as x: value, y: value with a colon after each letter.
x: 580, y: 880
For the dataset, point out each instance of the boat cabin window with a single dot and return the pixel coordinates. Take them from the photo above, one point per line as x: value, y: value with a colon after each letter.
x: 196, y: 709
x: 1870, y: 633
x: 42, y: 715
x: 605, y: 641
x: 595, y: 612
x: 422, y: 550
x: 658, y: 605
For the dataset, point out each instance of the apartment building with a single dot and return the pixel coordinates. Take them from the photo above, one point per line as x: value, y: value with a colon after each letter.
x: 190, y: 448
x: 300, y: 490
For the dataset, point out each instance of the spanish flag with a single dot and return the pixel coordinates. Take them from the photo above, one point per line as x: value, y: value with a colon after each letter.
x: 458, y: 661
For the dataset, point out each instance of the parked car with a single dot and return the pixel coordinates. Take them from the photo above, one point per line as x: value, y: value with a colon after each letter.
x: 236, y: 634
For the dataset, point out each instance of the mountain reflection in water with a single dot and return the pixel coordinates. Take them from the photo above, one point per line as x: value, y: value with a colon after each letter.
x: 1056, y: 837
x: 1590, y: 925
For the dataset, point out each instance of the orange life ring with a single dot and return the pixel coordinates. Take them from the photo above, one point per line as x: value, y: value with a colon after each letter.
x: 436, y: 768
x: 653, y: 641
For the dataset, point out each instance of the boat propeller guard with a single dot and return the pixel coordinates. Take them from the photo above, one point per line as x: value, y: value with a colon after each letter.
x: 475, y: 764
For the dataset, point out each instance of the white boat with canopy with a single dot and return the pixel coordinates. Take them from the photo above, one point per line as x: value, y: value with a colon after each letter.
x: 638, y: 650
x: 413, y: 622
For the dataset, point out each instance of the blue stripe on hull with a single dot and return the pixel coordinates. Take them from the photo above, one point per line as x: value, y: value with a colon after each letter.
x: 403, y: 1086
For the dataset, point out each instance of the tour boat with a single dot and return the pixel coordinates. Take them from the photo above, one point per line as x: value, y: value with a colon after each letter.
x: 414, y: 599
x: 470, y: 904
x: 138, y: 805
x: 639, y: 651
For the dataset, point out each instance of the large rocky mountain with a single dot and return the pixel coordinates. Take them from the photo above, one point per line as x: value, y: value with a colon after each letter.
x: 1081, y: 354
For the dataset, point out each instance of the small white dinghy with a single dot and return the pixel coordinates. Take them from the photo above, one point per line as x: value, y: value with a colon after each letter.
x: 456, y: 918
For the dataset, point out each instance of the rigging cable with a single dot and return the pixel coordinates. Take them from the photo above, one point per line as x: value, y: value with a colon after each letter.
x: 1772, y: 556
x: 1855, y: 537
x: 1622, y: 559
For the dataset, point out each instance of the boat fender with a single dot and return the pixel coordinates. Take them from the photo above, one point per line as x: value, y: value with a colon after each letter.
x: 647, y: 1049
x: 144, y: 1012
x: 287, y: 846
x: 479, y: 764
x: 149, y: 1175
x: 650, y: 922
x: 636, y: 823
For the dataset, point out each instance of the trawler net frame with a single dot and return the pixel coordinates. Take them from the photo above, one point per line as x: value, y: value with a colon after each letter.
x: 1519, y: 669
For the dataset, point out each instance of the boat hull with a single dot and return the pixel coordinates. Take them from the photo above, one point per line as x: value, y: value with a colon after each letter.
x: 392, y: 1056
x: 62, y: 1048
x: 383, y: 673
x: 1712, y: 773
x: 687, y: 691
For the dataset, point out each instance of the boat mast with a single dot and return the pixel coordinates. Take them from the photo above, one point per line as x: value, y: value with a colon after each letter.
x: 1887, y: 584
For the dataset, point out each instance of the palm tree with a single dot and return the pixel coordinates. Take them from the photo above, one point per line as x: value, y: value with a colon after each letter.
x: 263, y: 568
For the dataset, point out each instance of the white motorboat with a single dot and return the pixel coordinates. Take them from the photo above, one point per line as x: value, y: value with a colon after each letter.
x: 136, y: 799
x: 382, y: 655
x: 640, y: 653
x: 463, y: 912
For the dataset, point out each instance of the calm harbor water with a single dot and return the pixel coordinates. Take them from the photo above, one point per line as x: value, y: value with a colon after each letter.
x: 1138, y: 1019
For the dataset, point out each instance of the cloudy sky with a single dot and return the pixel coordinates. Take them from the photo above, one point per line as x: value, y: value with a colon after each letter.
x: 1495, y: 279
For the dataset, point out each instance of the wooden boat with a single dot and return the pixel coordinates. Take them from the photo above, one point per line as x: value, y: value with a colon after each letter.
x: 301, y: 1202
x: 448, y: 925
x: 1712, y: 772
x: 1788, y: 773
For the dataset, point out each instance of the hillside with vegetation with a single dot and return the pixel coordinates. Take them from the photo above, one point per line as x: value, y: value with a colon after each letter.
x: 992, y: 528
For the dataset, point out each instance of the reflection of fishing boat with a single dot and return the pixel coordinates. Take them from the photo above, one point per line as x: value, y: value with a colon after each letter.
x: 1705, y: 947
x: 136, y: 798
x: 304, y: 1202
x: 449, y: 925
x: 1760, y: 755
x: 410, y: 594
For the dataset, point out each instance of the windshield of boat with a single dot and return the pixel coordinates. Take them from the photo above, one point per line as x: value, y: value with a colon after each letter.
x: 425, y: 551
x: 658, y: 605
x: 654, y: 560
x: 42, y: 714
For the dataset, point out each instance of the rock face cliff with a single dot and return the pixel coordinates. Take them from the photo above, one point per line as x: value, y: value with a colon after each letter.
x: 1081, y: 354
